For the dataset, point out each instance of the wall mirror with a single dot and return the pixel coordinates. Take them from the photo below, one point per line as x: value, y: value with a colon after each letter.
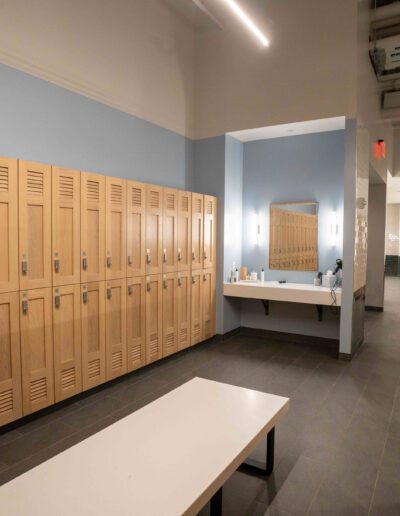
x: 293, y: 236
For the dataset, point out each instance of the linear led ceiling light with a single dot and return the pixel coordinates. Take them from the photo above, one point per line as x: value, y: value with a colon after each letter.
x: 247, y: 21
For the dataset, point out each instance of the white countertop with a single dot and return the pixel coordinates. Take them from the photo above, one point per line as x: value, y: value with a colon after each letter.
x: 275, y: 291
x: 168, y: 458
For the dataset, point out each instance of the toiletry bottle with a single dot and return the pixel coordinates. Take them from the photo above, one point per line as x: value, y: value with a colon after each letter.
x: 233, y: 272
x: 262, y: 275
x: 237, y: 275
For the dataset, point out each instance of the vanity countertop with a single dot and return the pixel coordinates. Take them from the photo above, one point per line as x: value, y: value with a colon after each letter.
x: 291, y: 292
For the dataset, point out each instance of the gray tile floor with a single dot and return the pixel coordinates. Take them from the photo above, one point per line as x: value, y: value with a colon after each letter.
x: 337, y: 451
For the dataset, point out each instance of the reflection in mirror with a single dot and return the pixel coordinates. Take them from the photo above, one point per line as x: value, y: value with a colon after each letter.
x: 293, y: 241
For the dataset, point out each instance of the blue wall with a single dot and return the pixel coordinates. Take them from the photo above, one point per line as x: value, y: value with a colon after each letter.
x: 47, y: 123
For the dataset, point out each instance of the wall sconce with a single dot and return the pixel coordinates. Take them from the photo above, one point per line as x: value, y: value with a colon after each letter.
x: 256, y: 228
x: 334, y: 228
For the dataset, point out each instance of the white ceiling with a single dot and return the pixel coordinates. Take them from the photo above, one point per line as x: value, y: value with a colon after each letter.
x: 294, y: 129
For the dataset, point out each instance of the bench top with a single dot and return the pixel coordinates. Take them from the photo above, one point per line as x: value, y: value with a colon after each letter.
x: 168, y: 458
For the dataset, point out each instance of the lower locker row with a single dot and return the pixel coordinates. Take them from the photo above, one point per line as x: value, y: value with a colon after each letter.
x: 57, y: 342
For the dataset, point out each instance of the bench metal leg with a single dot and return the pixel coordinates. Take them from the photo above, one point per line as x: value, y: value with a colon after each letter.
x: 268, y: 467
x: 216, y: 504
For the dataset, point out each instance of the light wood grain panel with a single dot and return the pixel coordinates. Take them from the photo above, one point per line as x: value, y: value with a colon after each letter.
x: 116, y: 351
x: 136, y: 229
x: 196, y: 307
x: 210, y: 234
x: 170, y: 230
x: 197, y: 230
x: 170, y: 313
x: 136, y: 322
x: 115, y: 228
x: 185, y: 231
x: 153, y: 318
x: 154, y: 216
x: 208, y: 303
x: 184, y: 309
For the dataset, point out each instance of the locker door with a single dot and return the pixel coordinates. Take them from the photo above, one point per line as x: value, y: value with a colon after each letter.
x: 154, y: 213
x: 136, y: 323
x: 170, y: 230
x: 67, y: 341
x: 153, y: 318
x: 196, y: 308
x: 184, y: 231
x: 34, y: 225
x: 8, y: 225
x: 10, y: 363
x: 93, y: 323
x: 66, y: 226
x: 115, y: 228
x: 184, y: 282
x: 208, y: 303
x: 136, y: 215
x: 36, y: 349
x: 115, y: 328
x: 210, y: 218
x: 92, y: 227
x: 170, y: 313
x: 197, y: 231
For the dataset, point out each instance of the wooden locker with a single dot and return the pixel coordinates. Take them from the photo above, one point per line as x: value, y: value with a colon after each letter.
x: 36, y: 349
x: 170, y: 230
x: 208, y: 303
x: 66, y: 226
x: 93, y: 192
x: 116, y: 363
x: 153, y: 318
x: 115, y: 228
x: 67, y: 341
x: 93, y: 324
x: 34, y: 225
x: 184, y: 231
x: 170, y: 313
x: 196, y: 319
x: 197, y: 231
x: 184, y: 282
x: 210, y: 233
x: 136, y: 225
x: 154, y: 215
x: 136, y: 323
x: 9, y: 281
x: 10, y: 363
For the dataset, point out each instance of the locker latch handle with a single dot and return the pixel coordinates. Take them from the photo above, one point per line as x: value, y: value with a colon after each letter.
x: 57, y: 300
x: 165, y: 282
x: 57, y: 265
x: 25, y: 306
x: 24, y: 267
x: 130, y: 261
x: 130, y: 290
x: 193, y: 279
x: 179, y: 281
x: 179, y: 255
x: 148, y: 286
x: 84, y: 263
x: 148, y: 259
x: 193, y: 255
x: 85, y: 297
x: 165, y: 256
x: 205, y: 253
x: 204, y: 277
x: 109, y: 292
x: 109, y: 261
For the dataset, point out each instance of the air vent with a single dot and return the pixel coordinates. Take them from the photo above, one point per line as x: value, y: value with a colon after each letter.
x: 196, y: 331
x: 35, y: 182
x: 209, y: 207
x: 116, y: 360
x: 94, y: 368
x: 153, y: 344
x: 183, y: 335
x: 68, y: 378
x: 154, y: 199
x: 93, y: 190
x: 38, y: 389
x: 116, y: 194
x: 3, y: 179
x: 197, y: 206
x: 170, y: 201
x: 66, y: 187
x: 170, y: 339
x: 6, y: 402
x: 136, y: 197
x: 136, y: 353
x: 185, y: 203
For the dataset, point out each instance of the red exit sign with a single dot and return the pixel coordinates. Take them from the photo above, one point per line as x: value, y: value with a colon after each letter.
x: 380, y: 149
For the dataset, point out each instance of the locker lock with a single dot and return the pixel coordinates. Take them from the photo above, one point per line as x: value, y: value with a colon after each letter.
x: 109, y: 292
x: 204, y: 277
x: 179, y: 255
x: 56, y: 263
x: 179, y: 281
x: 205, y: 253
x: 130, y: 290
x: 57, y: 299
x: 25, y: 305
x: 165, y: 256
x: 148, y: 259
x: 148, y: 285
x: 165, y: 282
x: 193, y: 255
x: 109, y: 261
x: 84, y: 262
x: 193, y: 279
x: 24, y: 265
x: 130, y: 261
x: 85, y: 296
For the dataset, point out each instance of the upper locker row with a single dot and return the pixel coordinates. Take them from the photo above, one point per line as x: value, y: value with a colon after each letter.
x: 78, y: 227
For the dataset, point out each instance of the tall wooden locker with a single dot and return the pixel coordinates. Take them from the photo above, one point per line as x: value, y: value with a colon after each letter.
x: 153, y: 318
x: 93, y: 324
x: 10, y: 363
x: 136, y: 225
x: 208, y: 303
x: 67, y: 341
x: 36, y: 349
x: 154, y: 215
x: 8, y: 225
x: 196, y: 319
x: 170, y: 230
x: 93, y: 195
x: 210, y: 233
x: 34, y: 225
x: 184, y: 283
x: 170, y: 313
x: 115, y: 228
x: 66, y: 226
x: 184, y: 231
x: 136, y: 322
x: 197, y: 231
x: 116, y: 363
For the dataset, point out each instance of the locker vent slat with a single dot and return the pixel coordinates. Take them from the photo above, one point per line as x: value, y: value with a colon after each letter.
x: 116, y: 360
x: 66, y: 187
x: 135, y: 353
x: 68, y: 378
x: 170, y: 339
x: 39, y: 389
x: 183, y: 335
x: 93, y: 190
x: 170, y: 201
x: 6, y: 402
x: 185, y: 203
x: 35, y: 182
x: 153, y: 344
x: 197, y: 206
x: 116, y: 194
x: 94, y: 368
x: 3, y: 179
x: 209, y: 207
x: 154, y: 199
x: 136, y: 197
x: 196, y: 331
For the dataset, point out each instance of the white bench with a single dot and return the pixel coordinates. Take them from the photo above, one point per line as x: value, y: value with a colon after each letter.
x: 168, y: 458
